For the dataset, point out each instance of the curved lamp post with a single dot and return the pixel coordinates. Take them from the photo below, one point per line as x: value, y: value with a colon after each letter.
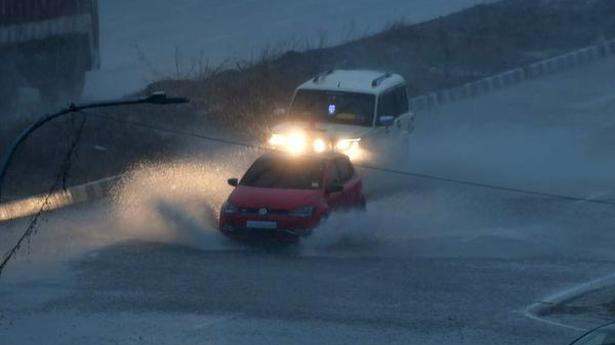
x: 157, y: 98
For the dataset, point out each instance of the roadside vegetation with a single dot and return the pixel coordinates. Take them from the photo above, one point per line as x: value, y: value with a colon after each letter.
x: 437, y: 54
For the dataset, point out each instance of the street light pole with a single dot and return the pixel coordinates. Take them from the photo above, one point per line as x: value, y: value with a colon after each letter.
x: 157, y: 98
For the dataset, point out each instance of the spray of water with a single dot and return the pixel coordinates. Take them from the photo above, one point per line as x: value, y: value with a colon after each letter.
x: 178, y: 201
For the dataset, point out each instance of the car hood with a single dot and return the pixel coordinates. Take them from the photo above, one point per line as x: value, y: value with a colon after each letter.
x: 329, y: 130
x: 281, y: 199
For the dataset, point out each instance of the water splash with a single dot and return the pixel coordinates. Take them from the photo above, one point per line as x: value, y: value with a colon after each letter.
x: 179, y: 201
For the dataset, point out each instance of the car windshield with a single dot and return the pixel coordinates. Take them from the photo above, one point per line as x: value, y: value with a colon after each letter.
x: 333, y: 106
x: 284, y: 173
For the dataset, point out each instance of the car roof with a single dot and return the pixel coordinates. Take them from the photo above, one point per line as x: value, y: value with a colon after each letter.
x: 363, y: 81
x: 325, y: 156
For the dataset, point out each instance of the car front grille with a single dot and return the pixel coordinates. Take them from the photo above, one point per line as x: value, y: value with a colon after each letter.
x: 270, y: 212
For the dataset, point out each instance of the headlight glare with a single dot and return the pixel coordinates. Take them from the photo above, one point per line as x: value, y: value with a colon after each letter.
x: 320, y: 145
x: 277, y: 139
x: 344, y: 145
x: 296, y: 142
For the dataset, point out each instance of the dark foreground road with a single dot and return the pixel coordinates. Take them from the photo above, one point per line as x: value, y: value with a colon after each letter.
x: 144, y: 292
x: 92, y: 277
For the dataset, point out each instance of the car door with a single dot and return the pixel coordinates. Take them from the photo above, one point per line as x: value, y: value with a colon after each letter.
x: 335, y: 199
x: 394, y: 103
x: 405, y: 118
x: 352, y: 193
x: 385, y: 108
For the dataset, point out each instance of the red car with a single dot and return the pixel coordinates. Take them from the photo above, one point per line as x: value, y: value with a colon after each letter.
x: 285, y: 197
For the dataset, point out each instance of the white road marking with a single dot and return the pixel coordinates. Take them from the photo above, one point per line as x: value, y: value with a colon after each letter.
x: 531, y: 316
x: 564, y: 295
x: 581, y: 288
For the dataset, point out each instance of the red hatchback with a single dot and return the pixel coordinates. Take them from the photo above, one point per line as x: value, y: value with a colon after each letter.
x: 285, y: 197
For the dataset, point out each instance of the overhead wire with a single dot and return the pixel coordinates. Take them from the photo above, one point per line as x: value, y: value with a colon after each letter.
x: 370, y: 167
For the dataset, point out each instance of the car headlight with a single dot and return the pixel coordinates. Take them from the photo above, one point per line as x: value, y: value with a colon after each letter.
x: 277, y: 139
x: 229, y: 208
x: 302, y: 212
x: 346, y: 144
x: 320, y: 145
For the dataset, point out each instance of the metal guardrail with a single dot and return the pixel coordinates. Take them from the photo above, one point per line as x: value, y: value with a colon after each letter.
x: 536, y: 70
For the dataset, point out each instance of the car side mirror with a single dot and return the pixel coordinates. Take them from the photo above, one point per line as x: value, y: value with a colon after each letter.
x: 386, y: 121
x: 233, y: 182
x: 335, y: 188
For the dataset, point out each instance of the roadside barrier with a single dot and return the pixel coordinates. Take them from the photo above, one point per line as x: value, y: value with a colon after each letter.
x: 536, y: 70
x: 74, y: 195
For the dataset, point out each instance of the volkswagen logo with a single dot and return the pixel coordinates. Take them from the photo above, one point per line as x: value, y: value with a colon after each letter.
x: 262, y: 211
